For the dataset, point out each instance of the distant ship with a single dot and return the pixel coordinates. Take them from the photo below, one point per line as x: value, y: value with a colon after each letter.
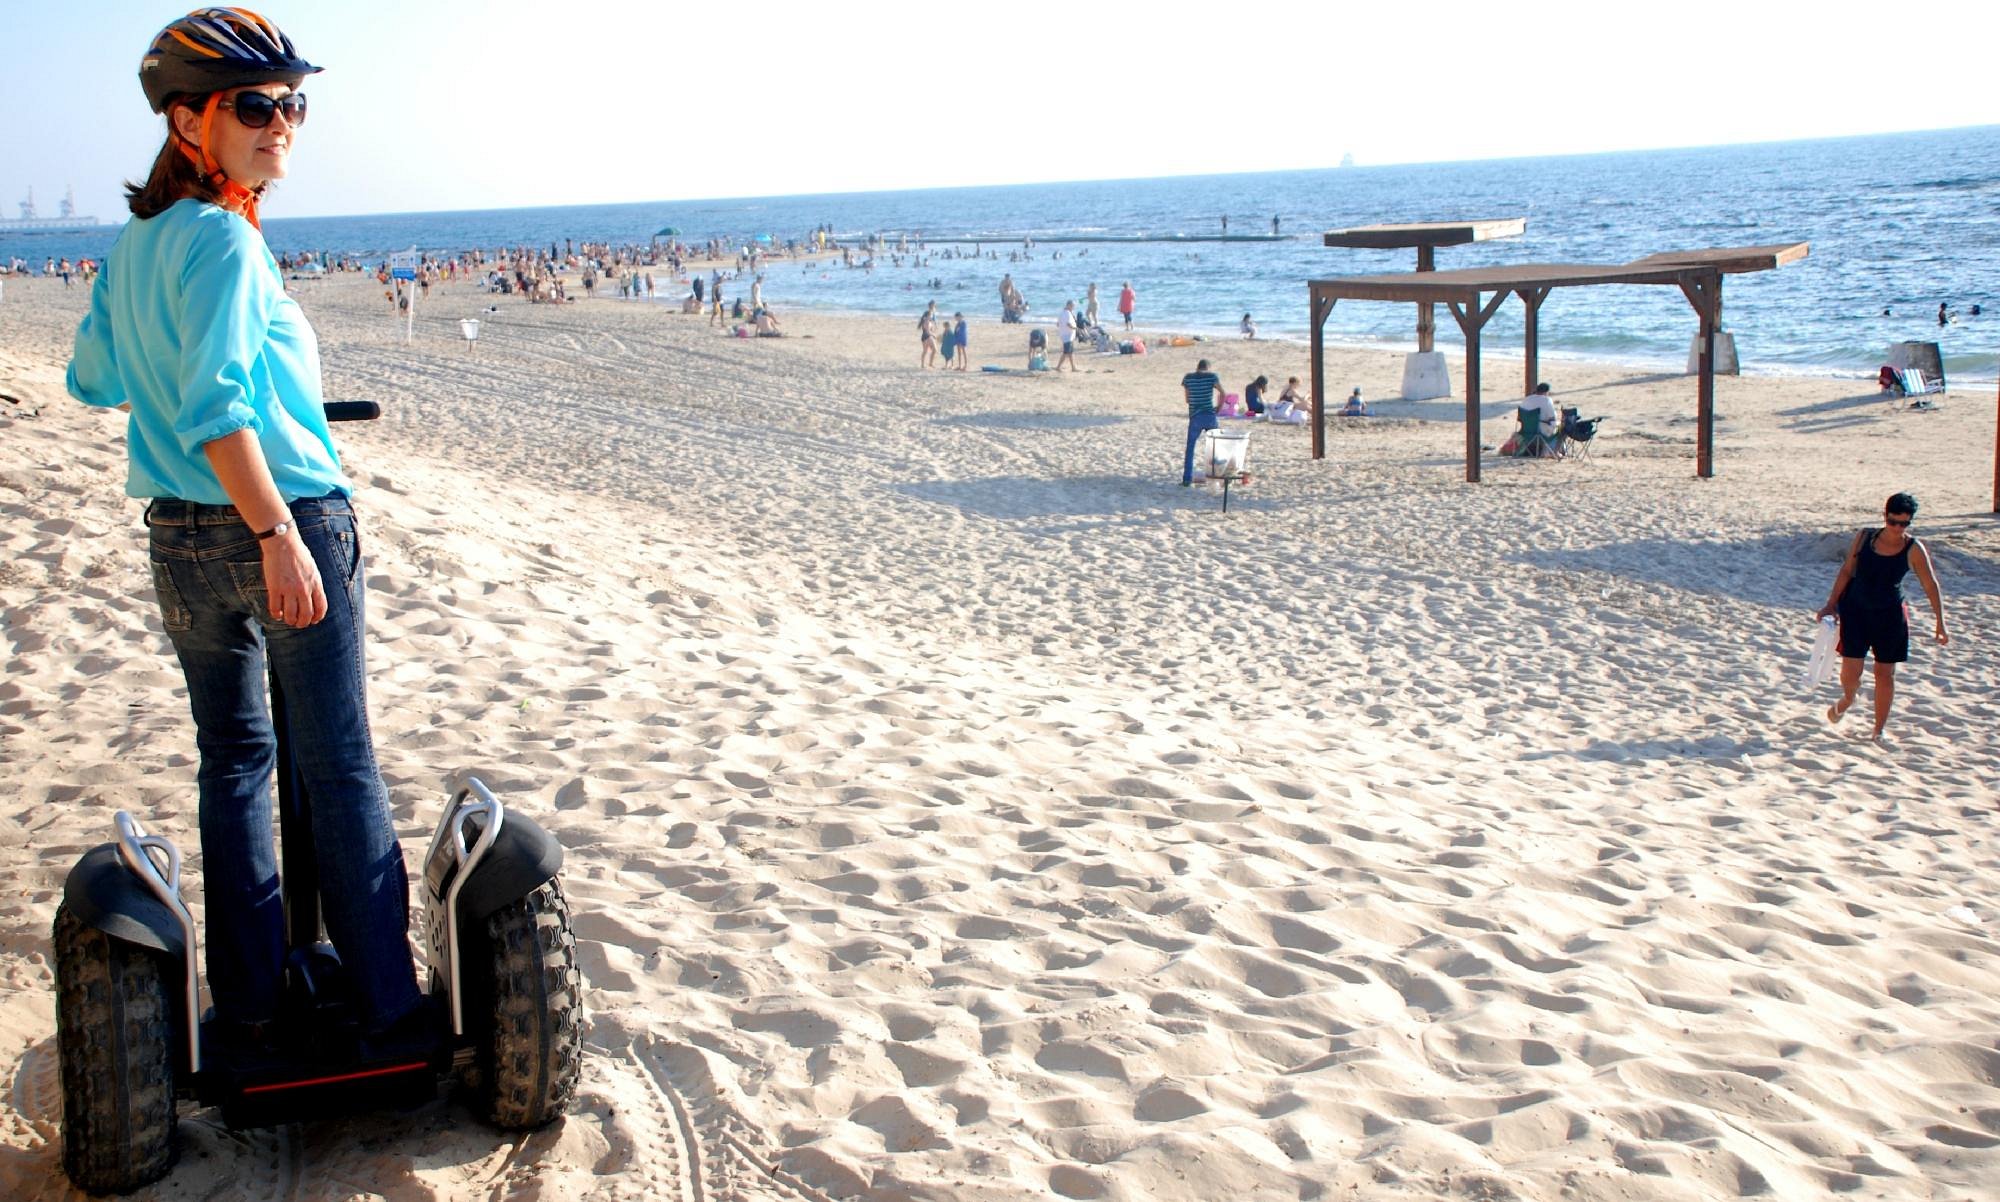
x: 30, y: 223
x: 1347, y: 160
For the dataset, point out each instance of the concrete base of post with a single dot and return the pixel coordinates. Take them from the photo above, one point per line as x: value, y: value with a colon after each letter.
x: 1425, y: 376
x: 1725, y: 354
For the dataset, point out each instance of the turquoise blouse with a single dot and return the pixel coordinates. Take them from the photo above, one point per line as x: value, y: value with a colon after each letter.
x: 189, y: 324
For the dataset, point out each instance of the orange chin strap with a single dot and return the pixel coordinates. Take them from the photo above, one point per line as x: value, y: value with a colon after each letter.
x: 233, y: 196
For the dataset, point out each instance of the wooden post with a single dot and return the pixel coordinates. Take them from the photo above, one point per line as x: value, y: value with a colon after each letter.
x: 1705, y: 436
x: 1472, y: 399
x: 1426, y: 312
x: 1531, y: 344
x: 1472, y: 318
x: 1704, y: 291
x: 1322, y: 307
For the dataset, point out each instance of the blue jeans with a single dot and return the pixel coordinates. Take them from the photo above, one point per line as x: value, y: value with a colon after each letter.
x: 209, y: 575
x: 1197, y: 422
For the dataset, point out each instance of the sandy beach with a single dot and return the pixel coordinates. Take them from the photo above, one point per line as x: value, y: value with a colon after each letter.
x: 957, y: 809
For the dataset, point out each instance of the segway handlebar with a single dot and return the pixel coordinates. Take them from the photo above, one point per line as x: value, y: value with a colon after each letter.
x: 352, y: 411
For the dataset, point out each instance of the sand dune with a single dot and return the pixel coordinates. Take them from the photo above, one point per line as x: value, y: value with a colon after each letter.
x: 956, y: 809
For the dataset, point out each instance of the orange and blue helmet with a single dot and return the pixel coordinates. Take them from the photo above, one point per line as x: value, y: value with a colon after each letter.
x: 213, y: 49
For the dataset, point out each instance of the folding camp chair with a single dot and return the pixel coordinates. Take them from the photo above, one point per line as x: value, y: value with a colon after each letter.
x: 1531, y: 443
x: 1577, y: 433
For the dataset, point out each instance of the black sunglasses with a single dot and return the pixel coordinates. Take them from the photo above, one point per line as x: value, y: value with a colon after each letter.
x: 1896, y: 521
x: 255, y: 109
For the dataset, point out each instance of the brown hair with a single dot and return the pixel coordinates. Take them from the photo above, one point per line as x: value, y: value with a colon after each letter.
x: 174, y: 176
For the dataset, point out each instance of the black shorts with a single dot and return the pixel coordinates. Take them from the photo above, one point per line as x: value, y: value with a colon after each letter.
x: 1883, y: 632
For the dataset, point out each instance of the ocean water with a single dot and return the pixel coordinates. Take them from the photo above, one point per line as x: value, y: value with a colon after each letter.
x: 1897, y: 222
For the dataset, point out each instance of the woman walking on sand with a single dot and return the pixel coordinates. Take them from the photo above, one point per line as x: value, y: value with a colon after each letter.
x: 1868, y: 596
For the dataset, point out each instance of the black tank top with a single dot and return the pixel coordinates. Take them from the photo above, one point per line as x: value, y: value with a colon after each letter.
x: 1878, y: 578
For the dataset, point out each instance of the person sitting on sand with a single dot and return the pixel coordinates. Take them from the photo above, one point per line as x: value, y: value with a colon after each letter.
x: 1288, y: 411
x: 767, y: 325
x: 1253, y: 397
x: 1355, y: 406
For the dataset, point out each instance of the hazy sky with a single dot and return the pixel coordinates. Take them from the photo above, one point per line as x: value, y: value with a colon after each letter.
x: 452, y: 104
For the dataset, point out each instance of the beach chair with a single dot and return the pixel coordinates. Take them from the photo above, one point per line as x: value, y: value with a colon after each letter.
x: 1577, y: 433
x: 1916, y: 384
x: 1531, y: 443
x: 1920, y: 366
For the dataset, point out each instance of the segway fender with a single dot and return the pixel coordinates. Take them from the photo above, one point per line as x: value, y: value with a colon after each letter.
x: 105, y: 896
x: 520, y: 861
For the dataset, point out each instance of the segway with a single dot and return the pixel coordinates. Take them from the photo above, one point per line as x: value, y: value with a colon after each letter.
x: 134, y: 1044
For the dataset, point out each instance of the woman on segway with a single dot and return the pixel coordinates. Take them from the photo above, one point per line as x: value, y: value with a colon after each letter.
x: 255, y: 553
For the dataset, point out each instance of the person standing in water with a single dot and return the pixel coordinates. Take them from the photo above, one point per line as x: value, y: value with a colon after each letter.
x: 1868, y: 597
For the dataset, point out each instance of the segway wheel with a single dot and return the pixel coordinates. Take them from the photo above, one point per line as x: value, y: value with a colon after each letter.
x: 114, y: 1031
x: 527, y: 1067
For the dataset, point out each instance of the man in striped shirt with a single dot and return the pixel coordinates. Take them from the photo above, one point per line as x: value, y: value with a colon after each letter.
x: 1200, y: 385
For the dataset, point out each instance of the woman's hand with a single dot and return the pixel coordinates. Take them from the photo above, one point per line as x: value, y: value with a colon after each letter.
x: 291, y: 581
x: 1824, y: 611
x: 1943, y: 639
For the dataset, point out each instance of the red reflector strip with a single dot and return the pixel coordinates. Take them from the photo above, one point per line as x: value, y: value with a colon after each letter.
x: 335, y: 1080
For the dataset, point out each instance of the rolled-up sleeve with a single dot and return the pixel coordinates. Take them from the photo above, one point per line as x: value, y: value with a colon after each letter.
x: 229, y: 289
x: 93, y: 364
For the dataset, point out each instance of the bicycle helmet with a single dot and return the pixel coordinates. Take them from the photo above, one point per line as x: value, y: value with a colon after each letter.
x: 206, y: 53
x: 212, y: 49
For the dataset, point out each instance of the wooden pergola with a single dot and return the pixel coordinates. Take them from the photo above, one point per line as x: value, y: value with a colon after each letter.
x: 1426, y: 236
x: 1474, y: 294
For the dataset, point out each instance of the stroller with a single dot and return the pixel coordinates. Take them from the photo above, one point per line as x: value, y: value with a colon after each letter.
x: 1573, y: 439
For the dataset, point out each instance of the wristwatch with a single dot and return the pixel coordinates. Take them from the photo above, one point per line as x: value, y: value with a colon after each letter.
x: 277, y: 531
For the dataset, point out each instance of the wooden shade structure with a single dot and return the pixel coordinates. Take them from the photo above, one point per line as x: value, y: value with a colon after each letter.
x: 1426, y: 236
x: 1475, y: 294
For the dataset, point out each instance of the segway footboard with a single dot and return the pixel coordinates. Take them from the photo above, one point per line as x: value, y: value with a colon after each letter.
x: 498, y: 938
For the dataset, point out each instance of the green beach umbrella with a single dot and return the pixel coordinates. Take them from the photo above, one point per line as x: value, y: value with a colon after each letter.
x: 668, y: 232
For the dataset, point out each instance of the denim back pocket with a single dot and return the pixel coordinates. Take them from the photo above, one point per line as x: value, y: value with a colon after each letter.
x: 248, y: 578
x: 173, y: 610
